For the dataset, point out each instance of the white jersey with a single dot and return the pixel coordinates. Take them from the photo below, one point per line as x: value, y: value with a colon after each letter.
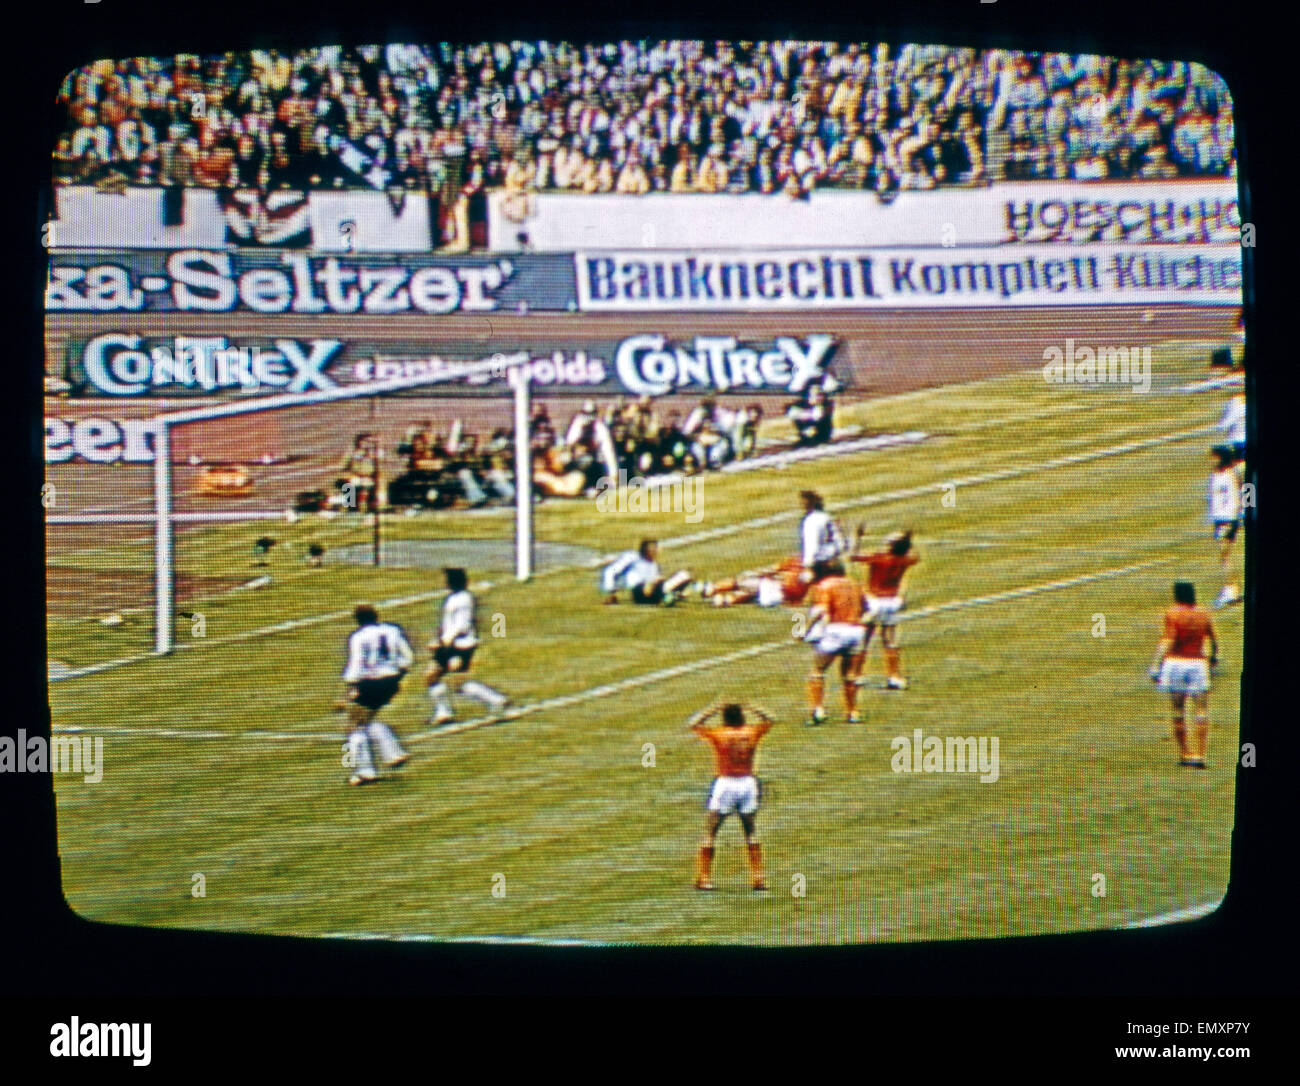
x: 627, y: 571
x: 377, y: 651
x: 821, y: 538
x: 1233, y: 423
x: 1225, y: 495
x: 459, y: 628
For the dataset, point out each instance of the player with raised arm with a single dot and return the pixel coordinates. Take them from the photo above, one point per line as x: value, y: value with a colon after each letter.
x: 885, y: 572
x: 1180, y: 669
x: 453, y: 650
x: 1225, y: 512
x: 835, y: 632
x: 379, y: 656
x: 735, y: 789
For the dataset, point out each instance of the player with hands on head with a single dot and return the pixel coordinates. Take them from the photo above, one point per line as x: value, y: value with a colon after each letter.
x: 735, y: 789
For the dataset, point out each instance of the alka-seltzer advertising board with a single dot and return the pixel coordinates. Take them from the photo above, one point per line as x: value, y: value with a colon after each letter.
x: 257, y: 281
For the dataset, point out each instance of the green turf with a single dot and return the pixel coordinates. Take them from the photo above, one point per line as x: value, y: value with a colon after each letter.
x: 593, y: 844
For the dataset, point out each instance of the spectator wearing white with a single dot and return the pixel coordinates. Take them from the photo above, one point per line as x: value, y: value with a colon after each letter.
x: 589, y: 429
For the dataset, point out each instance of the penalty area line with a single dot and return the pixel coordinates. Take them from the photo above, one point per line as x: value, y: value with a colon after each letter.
x: 595, y: 693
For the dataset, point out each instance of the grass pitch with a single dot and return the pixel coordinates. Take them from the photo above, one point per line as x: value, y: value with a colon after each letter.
x: 224, y: 758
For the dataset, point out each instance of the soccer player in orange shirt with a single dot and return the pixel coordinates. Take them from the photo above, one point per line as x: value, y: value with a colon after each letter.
x: 767, y: 588
x: 1180, y: 669
x: 835, y: 631
x: 885, y: 572
x: 735, y: 789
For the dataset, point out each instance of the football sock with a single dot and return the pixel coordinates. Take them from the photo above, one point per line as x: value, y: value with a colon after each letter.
x: 816, y: 692
x: 1202, y: 737
x: 704, y: 864
x: 850, y: 696
x: 493, y: 699
x: 379, y: 733
x: 363, y: 764
x: 756, y: 878
x: 891, y: 664
x: 438, y: 692
x: 676, y: 581
x: 1180, y: 734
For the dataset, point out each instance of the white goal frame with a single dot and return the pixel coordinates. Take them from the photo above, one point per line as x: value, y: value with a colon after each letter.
x: 164, y: 518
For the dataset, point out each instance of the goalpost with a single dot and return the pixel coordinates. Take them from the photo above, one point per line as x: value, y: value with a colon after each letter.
x: 165, y: 518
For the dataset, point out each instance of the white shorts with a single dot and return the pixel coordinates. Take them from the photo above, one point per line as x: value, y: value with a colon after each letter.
x: 883, y: 610
x: 1179, y: 675
x: 840, y: 637
x: 769, y: 592
x: 733, y: 795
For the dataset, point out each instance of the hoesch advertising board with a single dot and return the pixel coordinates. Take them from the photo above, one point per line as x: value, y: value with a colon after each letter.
x: 1178, y: 212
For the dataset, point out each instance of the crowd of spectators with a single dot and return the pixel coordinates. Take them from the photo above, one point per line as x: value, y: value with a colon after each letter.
x: 623, y: 439
x: 628, y: 117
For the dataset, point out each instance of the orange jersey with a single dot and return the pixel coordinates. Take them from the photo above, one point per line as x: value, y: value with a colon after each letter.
x: 885, y: 571
x: 840, y: 598
x: 793, y: 586
x: 734, y: 748
x: 1186, y: 628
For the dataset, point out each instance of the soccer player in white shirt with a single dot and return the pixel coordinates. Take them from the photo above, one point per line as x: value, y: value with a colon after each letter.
x: 638, y: 571
x: 379, y: 656
x: 1233, y: 425
x: 820, y: 538
x: 1225, y: 513
x: 453, y: 650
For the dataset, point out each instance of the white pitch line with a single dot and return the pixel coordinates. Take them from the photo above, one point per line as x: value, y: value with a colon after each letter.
x: 930, y: 488
x: 565, y: 701
x: 1213, y: 383
x: 685, y: 540
x: 1192, y: 912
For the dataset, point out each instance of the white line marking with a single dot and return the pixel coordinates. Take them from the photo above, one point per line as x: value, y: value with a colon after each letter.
x: 1192, y: 912
x: 799, y: 455
x: 688, y: 539
x: 1214, y: 382
x: 565, y: 701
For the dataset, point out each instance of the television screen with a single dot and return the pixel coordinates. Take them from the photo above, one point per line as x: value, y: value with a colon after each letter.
x: 660, y: 492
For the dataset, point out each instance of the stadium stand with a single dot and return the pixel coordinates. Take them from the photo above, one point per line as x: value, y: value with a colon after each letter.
x: 771, y: 117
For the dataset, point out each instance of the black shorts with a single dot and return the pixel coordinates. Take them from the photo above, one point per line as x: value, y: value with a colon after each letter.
x: 648, y: 594
x: 374, y: 694
x: 443, y: 655
x: 1226, y: 529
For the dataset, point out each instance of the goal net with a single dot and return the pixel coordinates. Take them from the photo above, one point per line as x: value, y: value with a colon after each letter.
x: 254, y: 493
